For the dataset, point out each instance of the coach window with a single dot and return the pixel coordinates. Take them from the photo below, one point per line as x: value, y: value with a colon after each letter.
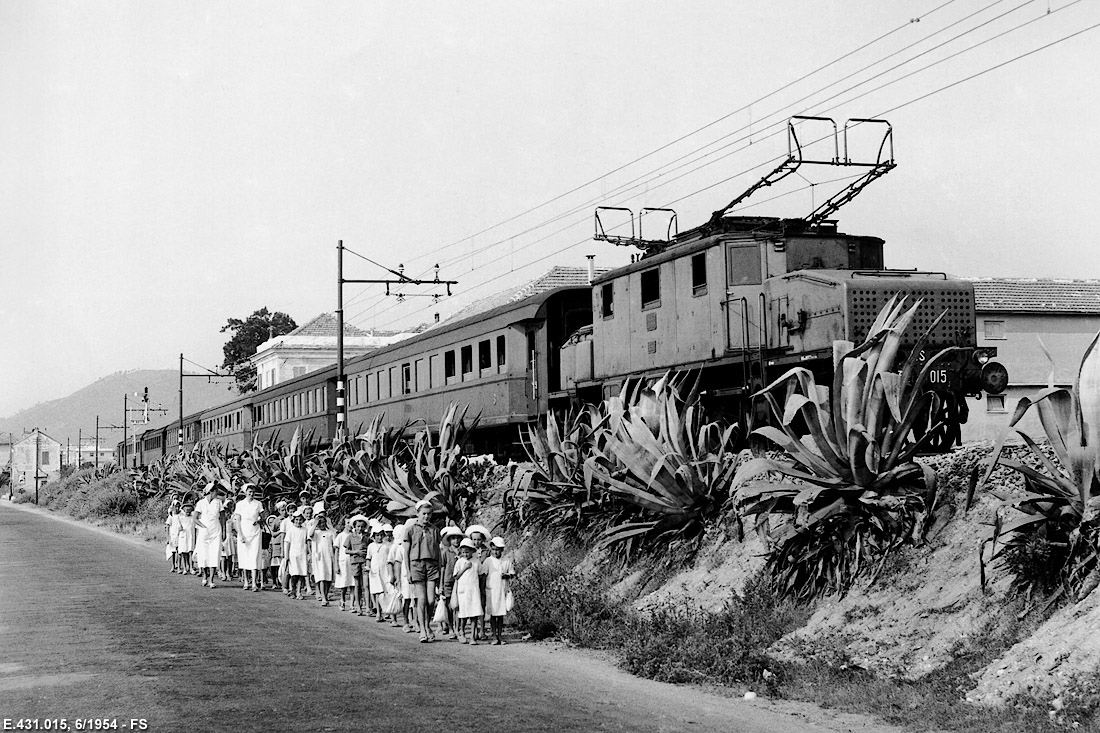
x: 501, y: 353
x: 420, y: 375
x: 449, y: 365
x: 433, y: 371
x: 651, y: 288
x: 484, y: 355
x: 743, y: 264
x: 406, y: 378
x: 395, y: 382
x: 699, y: 274
x: 467, y: 360
x: 607, y: 300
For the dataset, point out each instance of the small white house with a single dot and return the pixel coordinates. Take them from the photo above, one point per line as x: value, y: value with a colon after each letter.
x: 35, y: 453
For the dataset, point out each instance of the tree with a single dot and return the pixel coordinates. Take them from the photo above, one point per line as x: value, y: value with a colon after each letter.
x: 247, y: 337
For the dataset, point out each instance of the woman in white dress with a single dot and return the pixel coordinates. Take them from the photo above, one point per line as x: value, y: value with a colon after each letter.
x: 208, y: 536
x: 248, y: 517
x: 341, y: 571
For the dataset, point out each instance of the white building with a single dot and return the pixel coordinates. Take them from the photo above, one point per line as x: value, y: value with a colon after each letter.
x: 310, y: 347
x: 35, y: 451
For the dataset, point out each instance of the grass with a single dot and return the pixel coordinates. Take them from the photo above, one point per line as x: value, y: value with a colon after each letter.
x: 557, y: 595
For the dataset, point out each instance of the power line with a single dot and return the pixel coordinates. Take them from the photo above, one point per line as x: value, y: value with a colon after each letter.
x: 882, y: 113
x: 644, y: 179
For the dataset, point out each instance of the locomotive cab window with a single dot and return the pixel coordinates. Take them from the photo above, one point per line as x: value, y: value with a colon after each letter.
x: 699, y: 274
x: 651, y: 288
x: 743, y: 264
x: 607, y: 300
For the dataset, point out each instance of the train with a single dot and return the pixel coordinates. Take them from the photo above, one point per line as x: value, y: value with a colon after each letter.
x: 736, y: 301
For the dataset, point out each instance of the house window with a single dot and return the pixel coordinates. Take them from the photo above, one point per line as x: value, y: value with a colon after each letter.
x: 651, y: 288
x: 449, y: 364
x: 995, y: 403
x: 45, y: 457
x: 501, y: 352
x: 995, y: 330
x: 699, y: 274
x: 607, y: 300
x: 467, y: 359
x: 299, y: 371
x: 484, y: 354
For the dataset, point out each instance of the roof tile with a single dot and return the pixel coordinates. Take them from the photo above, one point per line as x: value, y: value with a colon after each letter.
x: 1037, y: 295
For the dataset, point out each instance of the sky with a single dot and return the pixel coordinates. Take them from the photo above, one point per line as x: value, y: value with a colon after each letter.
x: 166, y: 166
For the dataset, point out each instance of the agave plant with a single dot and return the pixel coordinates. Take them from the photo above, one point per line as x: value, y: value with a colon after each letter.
x: 1053, y: 541
x: 432, y: 470
x: 659, y: 456
x: 549, y: 490
x: 361, y: 461
x: 851, y: 492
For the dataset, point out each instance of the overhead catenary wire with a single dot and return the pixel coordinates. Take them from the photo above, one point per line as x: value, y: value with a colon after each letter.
x: 665, y: 146
x: 663, y: 170
x: 889, y: 110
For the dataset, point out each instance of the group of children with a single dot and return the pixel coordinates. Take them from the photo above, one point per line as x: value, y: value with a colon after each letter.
x: 414, y: 575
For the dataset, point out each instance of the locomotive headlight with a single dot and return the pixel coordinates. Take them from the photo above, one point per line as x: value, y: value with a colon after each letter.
x: 982, y: 356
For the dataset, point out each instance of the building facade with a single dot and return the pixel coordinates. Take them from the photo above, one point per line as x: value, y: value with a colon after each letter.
x: 310, y: 347
x: 1021, y: 318
x: 35, y: 452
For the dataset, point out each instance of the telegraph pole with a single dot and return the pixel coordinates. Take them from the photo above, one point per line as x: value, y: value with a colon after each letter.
x: 400, y: 278
x: 37, y: 455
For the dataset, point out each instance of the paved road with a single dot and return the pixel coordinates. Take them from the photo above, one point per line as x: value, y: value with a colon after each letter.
x: 93, y: 626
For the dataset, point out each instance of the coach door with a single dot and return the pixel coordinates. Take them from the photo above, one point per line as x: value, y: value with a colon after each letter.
x: 744, y: 327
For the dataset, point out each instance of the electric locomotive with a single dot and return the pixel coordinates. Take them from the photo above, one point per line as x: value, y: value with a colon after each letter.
x: 740, y: 300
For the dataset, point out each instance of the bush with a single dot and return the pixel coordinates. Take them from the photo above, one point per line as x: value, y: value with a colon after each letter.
x: 679, y: 643
x: 555, y: 598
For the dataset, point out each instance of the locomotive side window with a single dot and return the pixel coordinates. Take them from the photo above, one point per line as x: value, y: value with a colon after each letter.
x: 484, y: 354
x: 607, y: 300
x: 699, y: 274
x: 501, y: 353
x: 651, y: 288
x: 467, y: 359
x: 743, y: 264
x: 449, y: 364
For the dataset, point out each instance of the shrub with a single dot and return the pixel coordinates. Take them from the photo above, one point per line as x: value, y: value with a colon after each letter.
x: 851, y: 493
x: 678, y: 643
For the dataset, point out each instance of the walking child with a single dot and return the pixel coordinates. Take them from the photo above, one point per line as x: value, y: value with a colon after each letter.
x: 467, y: 590
x: 355, y: 546
x: 185, y: 538
x: 323, y: 556
x: 296, y: 552
x: 498, y: 572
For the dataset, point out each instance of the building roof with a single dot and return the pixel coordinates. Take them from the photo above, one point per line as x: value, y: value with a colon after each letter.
x: 558, y: 276
x: 324, y: 325
x: 319, y: 334
x: 29, y: 437
x: 1036, y: 295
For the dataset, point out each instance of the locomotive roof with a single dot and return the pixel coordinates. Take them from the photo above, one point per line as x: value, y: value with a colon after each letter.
x: 732, y: 229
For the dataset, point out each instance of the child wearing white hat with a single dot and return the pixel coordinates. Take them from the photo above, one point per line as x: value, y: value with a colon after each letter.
x: 172, y: 532
x: 467, y: 590
x: 296, y: 551
x: 498, y: 571
x: 341, y: 577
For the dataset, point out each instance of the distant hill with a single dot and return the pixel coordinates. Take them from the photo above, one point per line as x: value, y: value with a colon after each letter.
x: 63, y: 418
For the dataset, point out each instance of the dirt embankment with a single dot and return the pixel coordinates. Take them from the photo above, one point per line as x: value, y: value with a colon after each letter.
x: 925, y: 608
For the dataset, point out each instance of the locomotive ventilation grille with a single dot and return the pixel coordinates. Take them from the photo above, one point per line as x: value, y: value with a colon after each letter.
x: 864, y: 304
